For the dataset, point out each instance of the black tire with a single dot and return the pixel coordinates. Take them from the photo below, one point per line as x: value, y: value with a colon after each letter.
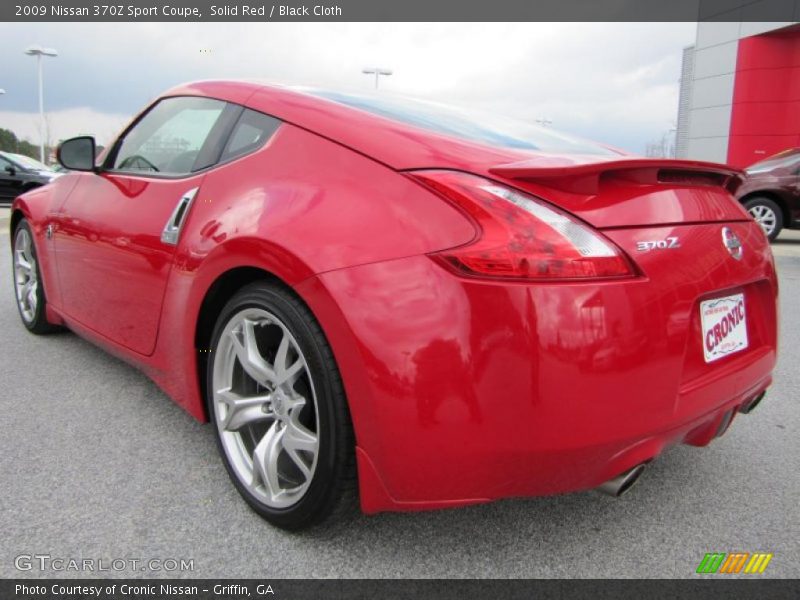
x: 762, y: 204
x: 333, y: 486
x: 38, y: 324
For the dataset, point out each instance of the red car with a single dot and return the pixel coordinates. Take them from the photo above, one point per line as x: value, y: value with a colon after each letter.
x: 413, y: 303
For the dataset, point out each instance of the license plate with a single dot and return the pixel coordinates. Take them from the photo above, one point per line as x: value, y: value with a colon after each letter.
x: 724, y: 326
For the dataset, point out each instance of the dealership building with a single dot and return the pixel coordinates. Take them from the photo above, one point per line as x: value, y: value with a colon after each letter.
x: 740, y: 92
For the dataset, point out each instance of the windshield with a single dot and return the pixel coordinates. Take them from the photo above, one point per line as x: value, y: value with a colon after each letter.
x: 787, y: 158
x: 28, y: 162
x: 470, y: 125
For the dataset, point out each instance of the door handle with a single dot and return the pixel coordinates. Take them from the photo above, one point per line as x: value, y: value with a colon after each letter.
x: 172, y: 229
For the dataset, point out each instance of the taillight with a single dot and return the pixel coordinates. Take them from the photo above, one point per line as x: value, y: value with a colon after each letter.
x: 522, y: 237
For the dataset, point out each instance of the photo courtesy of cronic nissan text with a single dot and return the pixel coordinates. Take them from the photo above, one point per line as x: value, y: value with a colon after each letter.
x: 359, y: 299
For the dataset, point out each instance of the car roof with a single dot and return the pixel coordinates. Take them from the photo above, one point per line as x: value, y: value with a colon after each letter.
x: 396, y: 144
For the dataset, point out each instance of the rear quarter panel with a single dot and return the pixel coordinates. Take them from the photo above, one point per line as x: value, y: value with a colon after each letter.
x: 300, y: 206
x: 541, y: 388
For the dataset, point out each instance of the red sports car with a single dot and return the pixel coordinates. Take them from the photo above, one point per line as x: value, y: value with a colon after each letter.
x: 394, y: 299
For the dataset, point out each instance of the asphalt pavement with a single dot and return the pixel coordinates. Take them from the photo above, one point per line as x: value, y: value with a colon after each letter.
x: 98, y: 463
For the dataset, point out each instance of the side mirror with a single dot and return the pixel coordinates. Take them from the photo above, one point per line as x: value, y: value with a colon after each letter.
x: 77, y: 154
x: 11, y: 170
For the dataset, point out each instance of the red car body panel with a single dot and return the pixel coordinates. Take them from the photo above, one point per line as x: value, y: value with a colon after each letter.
x: 120, y: 218
x: 461, y: 390
x: 554, y: 387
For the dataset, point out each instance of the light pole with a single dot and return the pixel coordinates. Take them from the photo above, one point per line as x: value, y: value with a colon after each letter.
x: 674, y: 150
x: 377, y: 72
x: 39, y: 52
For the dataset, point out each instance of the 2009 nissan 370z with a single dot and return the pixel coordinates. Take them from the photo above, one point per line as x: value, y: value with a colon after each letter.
x: 403, y: 302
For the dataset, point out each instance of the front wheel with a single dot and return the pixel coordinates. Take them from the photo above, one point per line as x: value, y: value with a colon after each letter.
x: 31, y: 301
x: 767, y: 214
x: 278, y: 407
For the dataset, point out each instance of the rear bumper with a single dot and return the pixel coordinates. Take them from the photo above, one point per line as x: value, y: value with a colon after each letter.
x: 466, y: 391
x: 538, y: 472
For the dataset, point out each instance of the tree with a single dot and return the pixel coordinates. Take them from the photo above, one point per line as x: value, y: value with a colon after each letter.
x: 9, y: 142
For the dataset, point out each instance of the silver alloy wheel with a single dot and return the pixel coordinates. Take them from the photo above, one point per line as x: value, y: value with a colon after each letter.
x: 26, y: 282
x: 265, y: 407
x: 765, y: 217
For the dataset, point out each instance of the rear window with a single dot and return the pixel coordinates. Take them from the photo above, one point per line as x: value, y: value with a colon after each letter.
x: 473, y: 126
x: 251, y: 131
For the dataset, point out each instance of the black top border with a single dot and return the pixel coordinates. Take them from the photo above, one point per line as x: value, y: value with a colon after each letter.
x: 399, y: 10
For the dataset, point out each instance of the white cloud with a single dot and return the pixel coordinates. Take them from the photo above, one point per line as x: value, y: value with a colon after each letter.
x: 617, y: 82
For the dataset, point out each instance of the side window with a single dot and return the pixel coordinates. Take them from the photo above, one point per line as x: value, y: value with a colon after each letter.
x: 250, y: 132
x: 169, y: 139
x: 4, y: 164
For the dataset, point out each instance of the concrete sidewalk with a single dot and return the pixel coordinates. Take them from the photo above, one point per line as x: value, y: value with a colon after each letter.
x: 787, y: 244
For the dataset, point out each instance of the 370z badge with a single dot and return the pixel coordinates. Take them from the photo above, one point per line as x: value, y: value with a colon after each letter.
x: 665, y: 244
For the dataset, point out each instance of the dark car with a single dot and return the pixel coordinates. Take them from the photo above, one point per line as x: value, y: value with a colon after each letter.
x: 771, y: 192
x: 19, y: 173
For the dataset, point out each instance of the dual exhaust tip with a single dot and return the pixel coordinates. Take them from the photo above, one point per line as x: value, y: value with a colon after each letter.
x: 623, y: 482
x: 749, y: 406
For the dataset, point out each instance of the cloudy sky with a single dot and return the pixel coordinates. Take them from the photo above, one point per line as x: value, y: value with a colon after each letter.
x: 613, y: 82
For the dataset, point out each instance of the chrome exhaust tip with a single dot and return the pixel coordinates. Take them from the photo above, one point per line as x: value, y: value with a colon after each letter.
x: 750, y: 406
x: 621, y: 483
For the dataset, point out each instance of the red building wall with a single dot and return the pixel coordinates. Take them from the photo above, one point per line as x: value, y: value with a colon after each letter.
x: 765, y: 117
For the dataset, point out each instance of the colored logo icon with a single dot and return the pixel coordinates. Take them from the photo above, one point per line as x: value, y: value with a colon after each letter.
x: 735, y: 562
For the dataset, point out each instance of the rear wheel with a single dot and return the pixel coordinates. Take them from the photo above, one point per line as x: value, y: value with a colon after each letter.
x: 767, y: 214
x: 279, y: 410
x: 27, y: 282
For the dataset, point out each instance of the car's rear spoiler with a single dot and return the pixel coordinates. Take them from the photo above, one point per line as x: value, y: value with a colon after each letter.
x: 583, y: 175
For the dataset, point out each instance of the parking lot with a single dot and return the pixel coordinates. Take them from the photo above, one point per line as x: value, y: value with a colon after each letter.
x: 98, y: 463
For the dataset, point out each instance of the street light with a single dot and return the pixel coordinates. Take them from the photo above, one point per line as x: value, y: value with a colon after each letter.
x: 544, y: 121
x: 39, y: 52
x: 674, y: 152
x: 377, y: 72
